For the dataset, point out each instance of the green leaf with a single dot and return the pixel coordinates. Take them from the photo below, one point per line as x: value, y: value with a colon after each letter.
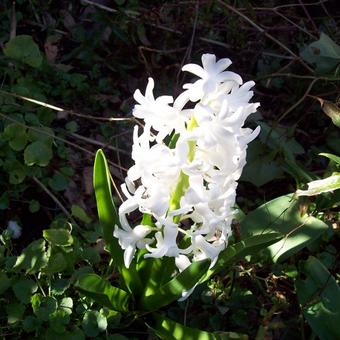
x: 16, y: 135
x: 58, y: 237
x: 154, y: 272
x: 102, y: 292
x: 107, y: 212
x: 33, y: 258
x: 57, y: 263
x: 173, y: 289
x: 108, y: 218
x: 66, y: 305
x: 93, y: 323
x: 81, y: 214
x: 59, y: 320
x: 324, y: 53
x: 15, y: 312
x: 319, y: 296
x: 24, y: 49
x: 237, y: 251
x: 283, y: 215
x: 43, y: 306
x: 23, y: 289
x: 59, y: 286
x: 320, y: 186
x: 165, y: 328
x: 261, y: 168
x: 38, y: 153
x: 334, y: 158
x: 58, y: 182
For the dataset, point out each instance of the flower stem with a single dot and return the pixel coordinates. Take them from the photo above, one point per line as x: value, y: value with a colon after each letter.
x: 183, y: 180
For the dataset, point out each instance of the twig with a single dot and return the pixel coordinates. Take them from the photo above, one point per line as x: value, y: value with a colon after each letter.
x: 59, y: 109
x: 269, y: 36
x: 116, y: 173
x: 13, y: 32
x: 308, y: 16
x: 103, y: 7
x: 55, y: 199
x: 189, y: 49
x: 95, y: 142
x: 299, y: 101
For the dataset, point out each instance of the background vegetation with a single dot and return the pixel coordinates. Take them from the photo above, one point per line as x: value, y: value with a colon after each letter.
x: 68, y: 72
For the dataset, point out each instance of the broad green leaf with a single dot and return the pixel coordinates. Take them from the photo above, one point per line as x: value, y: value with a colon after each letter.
x: 38, y: 153
x: 166, y: 328
x: 107, y: 212
x: 320, y: 186
x: 323, y: 53
x: 57, y: 263
x: 23, y: 289
x: 102, y: 292
x: 59, y: 320
x: 66, y: 304
x: 58, y: 237
x: 108, y: 218
x: 173, y: 289
x: 94, y: 323
x: 319, y: 296
x: 80, y: 213
x: 58, y: 286
x: 43, y: 306
x: 154, y: 272
x: 16, y: 135
x: 334, y: 158
x: 237, y: 251
x: 58, y: 182
x: 33, y: 258
x: 283, y: 215
x: 261, y: 168
x: 24, y: 49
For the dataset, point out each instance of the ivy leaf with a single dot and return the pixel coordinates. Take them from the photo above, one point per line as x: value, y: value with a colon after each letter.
x: 38, y: 153
x: 16, y: 136
x: 24, y: 49
x: 23, y: 289
x: 93, y: 323
x: 58, y: 237
x: 33, y: 258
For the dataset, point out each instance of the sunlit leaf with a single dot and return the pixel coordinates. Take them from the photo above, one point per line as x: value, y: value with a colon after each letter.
x: 58, y: 237
x: 320, y: 186
x: 166, y: 328
x: 173, y: 289
x: 102, y: 292
x: 107, y: 212
x: 283, y: 215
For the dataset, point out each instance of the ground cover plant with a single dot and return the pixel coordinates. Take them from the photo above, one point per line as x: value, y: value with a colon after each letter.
x: 68, y: 74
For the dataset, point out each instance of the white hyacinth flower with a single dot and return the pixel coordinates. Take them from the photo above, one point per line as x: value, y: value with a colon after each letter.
x: 189, y: 186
